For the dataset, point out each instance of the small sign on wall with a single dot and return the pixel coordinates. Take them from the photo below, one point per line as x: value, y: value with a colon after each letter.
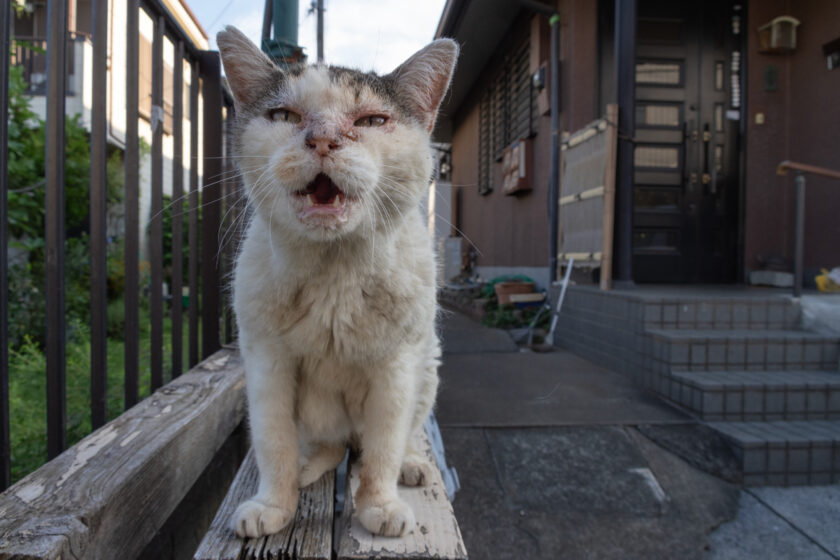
x: 516, y: 167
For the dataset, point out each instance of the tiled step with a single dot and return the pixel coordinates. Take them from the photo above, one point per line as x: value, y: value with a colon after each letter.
x: 741, y: 349
x: 757, y: 395
x: 785, y: 453
x: 722, y: 313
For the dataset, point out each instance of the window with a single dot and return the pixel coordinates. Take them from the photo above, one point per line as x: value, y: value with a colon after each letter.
x: 145, y: 86
x: 506, y: 111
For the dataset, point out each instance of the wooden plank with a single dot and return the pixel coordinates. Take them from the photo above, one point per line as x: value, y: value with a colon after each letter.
x: 594, y: 192
x: 580, y: 257
x: 308, y: 537
x: 609, y: 197
x: 437, y: 534
x: 107, y: 496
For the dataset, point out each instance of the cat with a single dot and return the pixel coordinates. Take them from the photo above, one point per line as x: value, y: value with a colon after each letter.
x: 335, y: 282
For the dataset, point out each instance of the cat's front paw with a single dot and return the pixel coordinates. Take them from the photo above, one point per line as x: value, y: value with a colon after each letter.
x: 415, y: 472
x: 389, y: 519
x: 255, y: 519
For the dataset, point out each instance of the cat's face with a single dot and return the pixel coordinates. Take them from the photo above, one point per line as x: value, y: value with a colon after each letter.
x: 329, y: 152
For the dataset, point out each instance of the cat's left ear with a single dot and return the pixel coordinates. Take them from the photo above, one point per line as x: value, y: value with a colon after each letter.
x: 423, y: 79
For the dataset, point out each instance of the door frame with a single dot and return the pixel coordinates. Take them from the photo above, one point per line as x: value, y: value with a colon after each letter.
x: 606, y: 91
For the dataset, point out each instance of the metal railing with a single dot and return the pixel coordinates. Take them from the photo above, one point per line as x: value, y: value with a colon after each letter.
x: 205, y: 263
x: 799, y: 209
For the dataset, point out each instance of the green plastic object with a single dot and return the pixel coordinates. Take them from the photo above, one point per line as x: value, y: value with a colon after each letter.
x: 283, y: 44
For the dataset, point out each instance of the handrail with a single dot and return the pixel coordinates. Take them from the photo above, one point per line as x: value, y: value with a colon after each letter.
x: 805, y: 168
x: 799, y: 213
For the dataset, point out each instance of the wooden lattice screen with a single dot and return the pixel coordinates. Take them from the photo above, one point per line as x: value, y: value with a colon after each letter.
x: 587, y: 196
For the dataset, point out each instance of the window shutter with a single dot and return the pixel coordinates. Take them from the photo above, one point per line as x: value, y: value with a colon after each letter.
x: 485, y: 132
x: 521, y: 93
x: 506, y: 111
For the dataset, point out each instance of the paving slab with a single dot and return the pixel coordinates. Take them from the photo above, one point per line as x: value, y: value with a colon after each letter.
x: 821, y: 313
x: 541, y: 389
x: 580, y: 492
x: 462, y: 335
x: 758, y: 532
x: 814, y: 510
x: 698, y: 445
x: 562, y: 470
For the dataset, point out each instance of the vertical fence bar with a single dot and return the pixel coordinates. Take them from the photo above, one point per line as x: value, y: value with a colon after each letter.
x: 5, y: 441
x: 132, y: 210
x: 156, y: 222
x: 193, y: 219
x: 54, y: 234
x: 211, y: 193
x: 98, y: 233
x: 177, y: 209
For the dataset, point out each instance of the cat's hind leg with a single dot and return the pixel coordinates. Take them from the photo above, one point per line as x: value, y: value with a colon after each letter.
x: 325, y: 457
x: 416, y: 469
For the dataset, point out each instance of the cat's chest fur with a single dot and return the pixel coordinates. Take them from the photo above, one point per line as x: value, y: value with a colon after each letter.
x: 332, y: 305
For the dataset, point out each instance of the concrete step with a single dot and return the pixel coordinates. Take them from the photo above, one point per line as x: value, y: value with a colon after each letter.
x: 785, y: 453
x: 757, y: 395
x: 740, y: 349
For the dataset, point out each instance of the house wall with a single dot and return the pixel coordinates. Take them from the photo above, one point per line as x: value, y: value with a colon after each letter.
x: 801, y: 123
x: 510, y: 233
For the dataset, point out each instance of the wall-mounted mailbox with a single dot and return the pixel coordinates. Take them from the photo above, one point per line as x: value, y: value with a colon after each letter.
x: 831, y: 50
x: 778, y: 36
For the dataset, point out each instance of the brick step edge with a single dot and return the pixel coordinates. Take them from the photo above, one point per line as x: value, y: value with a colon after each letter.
x: 785, y: 453
x: 816, y: 397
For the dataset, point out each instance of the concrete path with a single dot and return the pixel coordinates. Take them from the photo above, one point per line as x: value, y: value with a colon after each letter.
x: 559, y: 458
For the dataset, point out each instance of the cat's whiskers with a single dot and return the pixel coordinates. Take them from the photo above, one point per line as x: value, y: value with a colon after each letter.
x: 259, y: 191
x: 223, y: 234
x: 186, y: 195
x: 399, y: 187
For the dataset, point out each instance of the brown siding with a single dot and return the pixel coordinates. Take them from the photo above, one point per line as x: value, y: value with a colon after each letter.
x: 506, y: 230
x: 513, y: 230
x: 579, y: 63
x: 802, y: 123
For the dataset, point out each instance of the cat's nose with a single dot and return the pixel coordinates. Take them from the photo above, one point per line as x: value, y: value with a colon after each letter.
x: 321, y: 144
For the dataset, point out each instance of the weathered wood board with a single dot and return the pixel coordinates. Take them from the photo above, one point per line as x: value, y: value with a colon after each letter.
x: 436, y: 535
x: 307, y: 537
x: 106, y: 496
x: 587, y: 195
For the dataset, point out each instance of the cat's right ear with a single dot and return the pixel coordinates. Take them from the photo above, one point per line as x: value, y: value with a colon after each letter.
x: 247, y: 68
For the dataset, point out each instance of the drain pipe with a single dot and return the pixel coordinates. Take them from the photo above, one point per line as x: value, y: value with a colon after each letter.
x: 554, y: 169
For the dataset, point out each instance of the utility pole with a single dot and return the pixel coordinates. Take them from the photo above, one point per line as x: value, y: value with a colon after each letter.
x: 320, y: 10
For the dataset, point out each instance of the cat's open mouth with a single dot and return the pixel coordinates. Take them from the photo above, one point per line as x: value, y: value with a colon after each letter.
x: 322, y: 197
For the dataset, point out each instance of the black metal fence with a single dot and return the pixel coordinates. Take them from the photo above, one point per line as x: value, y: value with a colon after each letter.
x: 206, y: 262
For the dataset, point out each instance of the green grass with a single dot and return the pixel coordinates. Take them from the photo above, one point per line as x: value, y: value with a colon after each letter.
x: 27, y: 388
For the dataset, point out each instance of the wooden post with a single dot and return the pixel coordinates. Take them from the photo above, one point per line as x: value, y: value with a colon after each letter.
x: 609, y: 197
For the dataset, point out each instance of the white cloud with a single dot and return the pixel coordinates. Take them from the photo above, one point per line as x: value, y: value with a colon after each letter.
x: 366, y: 34
x: 373, y: 34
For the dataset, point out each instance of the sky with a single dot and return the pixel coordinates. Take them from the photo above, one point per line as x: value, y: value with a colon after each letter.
x: 365, y: 34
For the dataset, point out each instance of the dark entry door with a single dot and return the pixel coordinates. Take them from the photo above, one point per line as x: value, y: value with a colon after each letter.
x: 686, y: 150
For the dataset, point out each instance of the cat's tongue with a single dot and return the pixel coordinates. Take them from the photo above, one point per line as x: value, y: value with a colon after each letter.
x: 322, y: 189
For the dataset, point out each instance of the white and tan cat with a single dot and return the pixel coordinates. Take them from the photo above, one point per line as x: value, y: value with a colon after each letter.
x: 334, y: 286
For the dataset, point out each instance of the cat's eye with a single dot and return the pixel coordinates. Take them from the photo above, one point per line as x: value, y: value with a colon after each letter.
x: 283, y: 115
x: 371, y: 120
